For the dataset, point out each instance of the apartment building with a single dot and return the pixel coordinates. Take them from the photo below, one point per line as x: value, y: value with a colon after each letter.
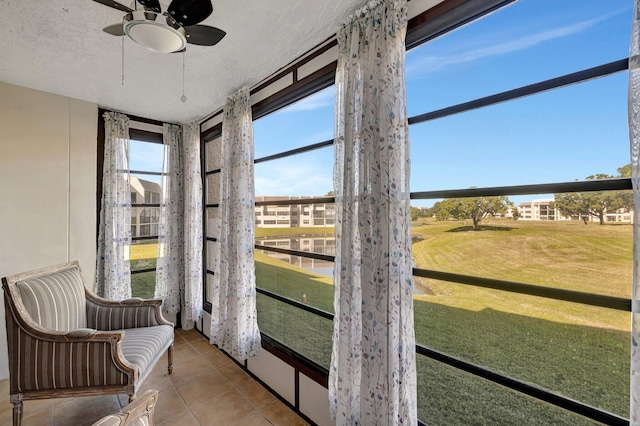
x: 543, y: 209
x: 144, y: 220
x: 294, y: 215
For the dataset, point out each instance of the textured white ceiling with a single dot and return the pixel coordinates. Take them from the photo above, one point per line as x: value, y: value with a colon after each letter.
x: 58, y: 46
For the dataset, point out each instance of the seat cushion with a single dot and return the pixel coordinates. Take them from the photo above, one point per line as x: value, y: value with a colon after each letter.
x: 144, y: 346
x: 55, y: 301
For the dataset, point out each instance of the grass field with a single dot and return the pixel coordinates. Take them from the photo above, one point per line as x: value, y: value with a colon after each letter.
x: 144, y: 255
x: 270, y: 232
x: 576, y: 350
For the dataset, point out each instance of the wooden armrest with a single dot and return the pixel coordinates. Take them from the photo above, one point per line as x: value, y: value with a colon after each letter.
x: 90, y: 334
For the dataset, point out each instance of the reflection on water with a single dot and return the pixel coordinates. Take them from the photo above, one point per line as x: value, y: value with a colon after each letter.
x: 316, y: 244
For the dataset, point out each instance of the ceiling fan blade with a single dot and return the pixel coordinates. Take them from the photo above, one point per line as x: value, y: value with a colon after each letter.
x: 190, y: 12
x: 115, y: 5
x: 152, y: 5
x: 204, y: 35
x: 114, y: 29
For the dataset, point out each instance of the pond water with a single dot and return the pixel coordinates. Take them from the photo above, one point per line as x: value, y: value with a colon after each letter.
x: 315, y: 244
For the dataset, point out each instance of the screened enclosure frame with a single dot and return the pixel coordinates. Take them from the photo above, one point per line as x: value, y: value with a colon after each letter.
x: 444, y: 18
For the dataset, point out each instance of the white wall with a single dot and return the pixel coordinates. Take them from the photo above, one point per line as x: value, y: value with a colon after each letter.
x: 47, y: 185
x: 280, y: 377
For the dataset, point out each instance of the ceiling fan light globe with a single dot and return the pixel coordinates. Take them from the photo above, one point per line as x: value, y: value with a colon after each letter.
x: 155, y: 36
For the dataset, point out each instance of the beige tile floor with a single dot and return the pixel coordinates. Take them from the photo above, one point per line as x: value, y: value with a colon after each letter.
x: 206, y: 388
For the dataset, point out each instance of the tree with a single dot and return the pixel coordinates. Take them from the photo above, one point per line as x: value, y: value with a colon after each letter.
x: 625, y: 171
x: 476, y: 208
x: 595, y: 203
x: 416, y: 213
x: 571, y: 204
x: 515, y: 213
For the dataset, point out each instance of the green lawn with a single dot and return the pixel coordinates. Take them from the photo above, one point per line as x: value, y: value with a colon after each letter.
x: 271, y: 232
x: 144, y: 255
x: 576, y: 350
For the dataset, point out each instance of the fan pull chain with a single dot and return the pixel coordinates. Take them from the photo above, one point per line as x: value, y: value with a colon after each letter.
x: 123, y: 54
x: 183, y: 98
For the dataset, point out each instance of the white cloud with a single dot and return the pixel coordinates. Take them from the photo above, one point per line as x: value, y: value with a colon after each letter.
x: 319, y: 100
x: 426, y: 64
x: 293, y: 179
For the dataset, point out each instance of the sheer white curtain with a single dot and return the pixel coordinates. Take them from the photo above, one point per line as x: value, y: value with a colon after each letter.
x: 179, y: 268
x: 192, y: 303
x: 113, y: 276
x: 372, y: 379
x: 634, y: 137
x: 234, y: 326
x: 170, y: 266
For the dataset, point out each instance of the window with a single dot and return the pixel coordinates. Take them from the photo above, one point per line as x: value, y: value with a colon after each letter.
x: 295, y: 180
x: 211, y: 170
x: 529, y: 140
x: 151, y: 197
x: 504, y: 297
x: 145, y: 162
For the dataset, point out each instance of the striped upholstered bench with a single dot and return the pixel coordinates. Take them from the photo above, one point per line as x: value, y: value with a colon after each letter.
x: 65, y: 341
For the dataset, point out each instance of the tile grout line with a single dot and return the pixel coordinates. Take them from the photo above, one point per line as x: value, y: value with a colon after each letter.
x: 259, y: 411
x: 233, y: 388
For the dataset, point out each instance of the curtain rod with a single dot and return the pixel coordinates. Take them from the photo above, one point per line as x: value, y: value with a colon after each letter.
x: 137, y: 118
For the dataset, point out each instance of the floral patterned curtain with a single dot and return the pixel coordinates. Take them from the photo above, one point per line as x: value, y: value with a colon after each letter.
x: 372, y: 378
x: 634, y: 136
x: 192, y: 304
x: 179, y: 267
x: 113, y: 276
x: 234, y: 326
x: 170, y: 266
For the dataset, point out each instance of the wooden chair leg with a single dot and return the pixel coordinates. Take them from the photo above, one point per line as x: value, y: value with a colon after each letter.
x: 17, y: 413
x: 170, y: 357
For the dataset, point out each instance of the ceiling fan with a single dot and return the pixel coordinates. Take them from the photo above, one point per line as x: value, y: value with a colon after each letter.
x: 165, y: 32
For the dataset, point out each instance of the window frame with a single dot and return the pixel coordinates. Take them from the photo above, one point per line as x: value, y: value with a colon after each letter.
x: 137, y: 135
x: 437, y: 21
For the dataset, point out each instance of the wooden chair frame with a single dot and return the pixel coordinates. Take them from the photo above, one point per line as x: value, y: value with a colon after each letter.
x: 119, y: 375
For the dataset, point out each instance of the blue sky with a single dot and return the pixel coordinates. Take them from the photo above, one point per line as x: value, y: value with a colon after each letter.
x: 557, y: 136
x: 146, y: 156
x: 562, y: 135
